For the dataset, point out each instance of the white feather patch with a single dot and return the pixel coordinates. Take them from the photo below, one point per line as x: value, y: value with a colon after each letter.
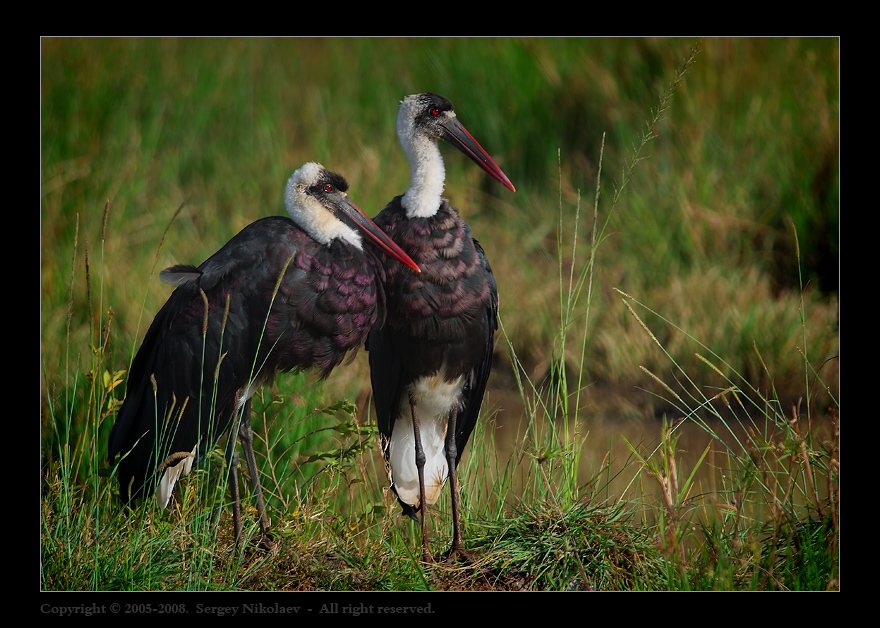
x: 434, y: 399
x: 174, y: 472
x: 311, y: 216
x: 422, y: 198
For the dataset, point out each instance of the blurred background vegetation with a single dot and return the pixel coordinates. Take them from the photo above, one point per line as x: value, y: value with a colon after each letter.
x: 748, y: 149
x: 157, y: 151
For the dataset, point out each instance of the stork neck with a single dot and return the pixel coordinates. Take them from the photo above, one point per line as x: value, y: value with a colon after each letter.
x: 315, y: 219
x: 422, y: 198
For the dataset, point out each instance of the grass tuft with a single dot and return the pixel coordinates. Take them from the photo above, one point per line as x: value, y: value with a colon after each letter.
x: 664, y: 407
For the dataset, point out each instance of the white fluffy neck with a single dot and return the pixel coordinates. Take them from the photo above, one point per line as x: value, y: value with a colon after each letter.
x: 422, y: 198
x: 311, y: 216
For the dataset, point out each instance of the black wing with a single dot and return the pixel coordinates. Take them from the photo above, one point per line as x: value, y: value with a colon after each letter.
x: 206, y: 345
x: 477, y: 379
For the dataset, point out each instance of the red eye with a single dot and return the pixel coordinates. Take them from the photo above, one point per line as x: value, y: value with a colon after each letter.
x: 435, y: 111
x: 328, y: 188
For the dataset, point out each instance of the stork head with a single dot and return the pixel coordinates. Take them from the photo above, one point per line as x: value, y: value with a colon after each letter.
x: 317, y: 202
x: 431, y: 116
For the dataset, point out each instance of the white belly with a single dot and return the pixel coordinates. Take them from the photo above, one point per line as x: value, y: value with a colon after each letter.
x: 434, y: 399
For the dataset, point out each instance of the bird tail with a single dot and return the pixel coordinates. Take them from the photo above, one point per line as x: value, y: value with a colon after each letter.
x: 134, y: 444
x: 409, y: 510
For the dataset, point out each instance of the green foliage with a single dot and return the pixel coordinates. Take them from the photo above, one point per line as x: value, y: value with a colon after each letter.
x: 589, y: 547
x: 705, y: 275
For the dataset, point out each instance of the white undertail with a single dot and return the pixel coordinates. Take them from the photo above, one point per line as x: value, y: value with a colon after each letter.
x: 179, y: 465
x: 434, y: 399
x: 173, y: 472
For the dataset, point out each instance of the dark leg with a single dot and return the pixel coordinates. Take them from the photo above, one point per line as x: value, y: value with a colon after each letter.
x: 232, y: 470
x: 457, y: 549
x: 246, y: 434
x: 420, y: 465
x: 233, y: 490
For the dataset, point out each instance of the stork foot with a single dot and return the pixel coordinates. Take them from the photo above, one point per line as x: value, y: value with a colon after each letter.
x: 458, y: 554
x: 426, y: 553
x: 264, y: 541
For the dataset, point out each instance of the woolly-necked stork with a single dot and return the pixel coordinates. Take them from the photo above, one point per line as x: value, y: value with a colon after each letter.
x: 430, y: 363
x: 283, y: 294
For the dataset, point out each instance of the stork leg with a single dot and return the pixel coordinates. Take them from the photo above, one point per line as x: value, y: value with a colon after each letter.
x: 232, y: 464
x: 420, y: 466
x: 232, y: 471
x: 457, y: 550
x: 246, y: 435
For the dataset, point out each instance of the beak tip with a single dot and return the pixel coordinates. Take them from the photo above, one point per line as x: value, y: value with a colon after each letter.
x: 502, y: 178
x: 410, y: 263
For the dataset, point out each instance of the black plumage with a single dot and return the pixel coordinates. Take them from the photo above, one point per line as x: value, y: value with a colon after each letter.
x: 443, y: 323
x: 279, y: 296
x: 431, y: 361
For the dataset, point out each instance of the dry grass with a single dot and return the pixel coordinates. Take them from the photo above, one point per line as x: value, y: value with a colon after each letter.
x: 704, y: 239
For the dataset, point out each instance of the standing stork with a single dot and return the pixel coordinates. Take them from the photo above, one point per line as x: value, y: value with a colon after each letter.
x: 430, y: 362
x: 283, y: 294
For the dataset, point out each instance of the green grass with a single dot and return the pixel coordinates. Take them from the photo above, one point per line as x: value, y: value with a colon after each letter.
x: 669, y: 262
